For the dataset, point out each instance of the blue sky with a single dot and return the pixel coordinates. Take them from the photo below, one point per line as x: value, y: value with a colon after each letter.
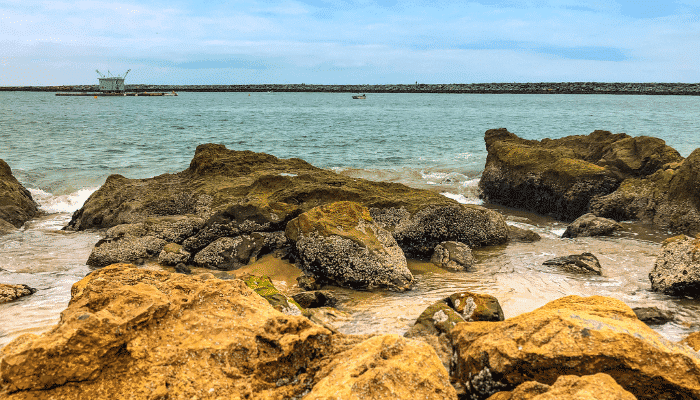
x: 58, y: 42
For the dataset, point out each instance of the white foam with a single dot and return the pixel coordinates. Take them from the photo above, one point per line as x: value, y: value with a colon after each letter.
x: 65, y: 203
x: 460, y: 198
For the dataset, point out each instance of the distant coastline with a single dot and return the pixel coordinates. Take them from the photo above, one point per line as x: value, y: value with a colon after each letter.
x: 687, y: 89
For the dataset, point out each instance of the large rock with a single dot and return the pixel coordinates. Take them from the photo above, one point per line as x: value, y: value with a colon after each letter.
x: 590, y: 225
x: 574, y: 336
x: 16, y: 203
x: 13, y: 292
x: 569, y: 387
x: 561, y: 177
x: 454, y: 256
x: 340, y: 243
x: 241, y: 192
x: 677, y: 268
x: 141, y: 334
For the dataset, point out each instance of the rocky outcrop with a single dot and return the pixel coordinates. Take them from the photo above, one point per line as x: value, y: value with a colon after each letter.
x: 590, y: 225
x: 569, y: 387
x: 573, y: 336
x: 13, y: 292
x: 677, y: 268
x: 585, y: 263
x: 562, y: 177
x: 16, y: 203
x: 454, y: 256
x: 340, y: 243
x: 132, y: 333
x: 237, y: 193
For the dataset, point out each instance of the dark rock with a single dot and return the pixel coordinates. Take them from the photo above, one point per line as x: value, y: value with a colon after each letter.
x: 455, y: 256
x: 13, y: 292
x: 173, y: 254
x: 590, y: 225
x: 6, y: 227
x: 585, y: 263
x: 182, y: 269
x: 677, y: 268
x: 308, y: 282
x: 16, y: 203
x: 232, y: 253
x: 653, y: 315
x: 475, y: 306
x: 516, y: 234
x: 315, y: 299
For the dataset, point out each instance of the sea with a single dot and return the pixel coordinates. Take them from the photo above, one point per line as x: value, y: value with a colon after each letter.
x: 63, y: 148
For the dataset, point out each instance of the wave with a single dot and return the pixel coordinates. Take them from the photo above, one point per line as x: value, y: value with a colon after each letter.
x: 460, y: 198
x: 65, y: 203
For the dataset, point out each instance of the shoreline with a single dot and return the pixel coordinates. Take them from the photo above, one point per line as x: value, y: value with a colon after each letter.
x: 682, y: 89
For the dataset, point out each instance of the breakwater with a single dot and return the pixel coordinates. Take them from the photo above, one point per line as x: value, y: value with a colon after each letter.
x: 690, y: 89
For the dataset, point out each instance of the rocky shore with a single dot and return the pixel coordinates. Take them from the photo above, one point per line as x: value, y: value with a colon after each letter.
x: 688, y: 89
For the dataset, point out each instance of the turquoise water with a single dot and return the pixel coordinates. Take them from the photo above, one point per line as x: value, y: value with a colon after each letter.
x: 63, y: 148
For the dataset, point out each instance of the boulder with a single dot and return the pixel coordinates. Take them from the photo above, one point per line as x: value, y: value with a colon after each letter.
x: 476, y: 306
x: 228, y: 254
x: 573, y: 336
x: 315, y: 299
x: 173, y: 254
x: 133, y: 333
x: 13, y: 292
x: 653, y: 315
x: 693, y: 340
x: 590, y: 225
x: 384, y: 367
x: 340, y: 243
x: 16, y: 203
x: 562, y: 177
x: 677, y: 268
x: 454, y: 256
x: 516, y: 234
x: 584, y: 263
x: 240, y: 192
x: 569, y: 387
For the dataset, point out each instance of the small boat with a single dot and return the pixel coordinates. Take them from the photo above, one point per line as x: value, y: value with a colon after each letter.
x: 362, y: 96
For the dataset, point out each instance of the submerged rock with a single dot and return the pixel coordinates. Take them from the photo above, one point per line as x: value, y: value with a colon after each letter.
x: 133, y: 333
x: 454, y: 256
x: 677, y: 268
x: 574, y: 336
x: 13, y: 292
x: 16, y: 203
x: 516, y: 234
x: 569, y: 387
x: 340, y: 243
x: 585, y: 263
x: 653, y: 315
x: 590, y: 225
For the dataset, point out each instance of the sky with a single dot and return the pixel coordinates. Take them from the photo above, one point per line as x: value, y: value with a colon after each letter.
x: 204, y: 42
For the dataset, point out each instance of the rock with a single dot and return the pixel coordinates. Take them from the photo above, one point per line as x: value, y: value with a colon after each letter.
x: 125, y: 249
x: 385, y: 367
x: 693, y: 340
x: 308, y: 282
x: 13, y: 292
x: 173, y: 254
x: 263, y: 286
x: 476, y: 306
x: 340, y: 243
x: 653, y: 315
x: 454, y: 256
x: 677, y: 268
x: 182, y: 268
x: 562, y: 177
x: 144, y: 334
x: 667, y: 199
x: 315, y: 299
x: 241, y: 192
x: 569, y: 387
x: 585, y: 263
x: 232, y: 253
x: 590, y: 225
x: 16, y: 203
x: 516, y: 234
x: 6, y: 227
x: 573, y: 336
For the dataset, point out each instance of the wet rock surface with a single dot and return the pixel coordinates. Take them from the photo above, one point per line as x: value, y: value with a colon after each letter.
x: 573, y: 336
x: 16, y: 203
x: 340, y: 243
x: 585, y: 263
x: 693, y: 340
x: 653, y: 315
x: 677, y: 268
x: 13, y: 292
x: 516, y: 234
x: 454, y: 256
x: 590, y: 225
x: 569, y: 387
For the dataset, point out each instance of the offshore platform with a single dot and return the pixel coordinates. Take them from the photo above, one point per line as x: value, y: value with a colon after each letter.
x: 113, y: 85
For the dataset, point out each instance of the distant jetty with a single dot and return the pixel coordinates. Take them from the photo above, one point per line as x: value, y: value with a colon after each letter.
x: 688, y: 89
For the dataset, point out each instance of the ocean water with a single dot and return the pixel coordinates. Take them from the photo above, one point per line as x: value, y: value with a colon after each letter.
x: 63, y: 149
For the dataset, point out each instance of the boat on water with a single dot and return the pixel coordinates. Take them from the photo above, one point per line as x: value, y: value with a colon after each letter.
x: 361, y: 96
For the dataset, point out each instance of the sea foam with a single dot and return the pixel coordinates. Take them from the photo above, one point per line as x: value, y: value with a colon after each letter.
x: 65, y: 203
